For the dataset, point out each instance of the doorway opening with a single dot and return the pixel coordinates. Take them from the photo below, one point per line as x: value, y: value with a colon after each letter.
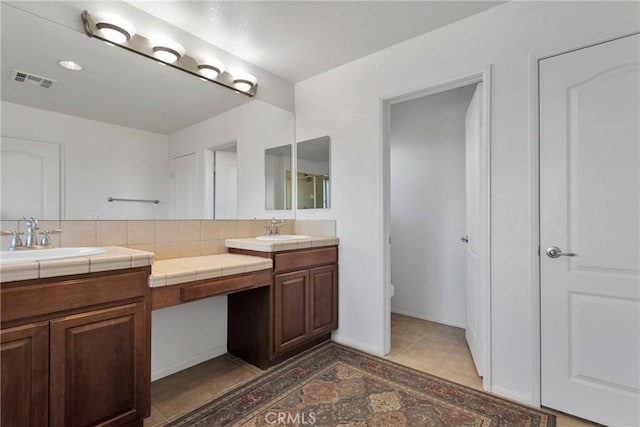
x: 221, y: 185
x: 436, y: 222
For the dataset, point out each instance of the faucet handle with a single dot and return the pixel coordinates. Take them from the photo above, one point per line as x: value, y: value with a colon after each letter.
x: 16, y: 241
x: 56, y: 231
x: 45, y: 239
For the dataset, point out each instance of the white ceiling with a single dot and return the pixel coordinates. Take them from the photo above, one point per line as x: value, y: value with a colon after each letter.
x: 115, y: 85
x: 290, y: 40
x: 298, y: 39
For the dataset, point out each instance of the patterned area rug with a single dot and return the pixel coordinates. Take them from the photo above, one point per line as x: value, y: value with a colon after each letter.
x: 332, y: 385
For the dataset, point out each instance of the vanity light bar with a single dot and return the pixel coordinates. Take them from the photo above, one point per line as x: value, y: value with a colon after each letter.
x: 145, y: 47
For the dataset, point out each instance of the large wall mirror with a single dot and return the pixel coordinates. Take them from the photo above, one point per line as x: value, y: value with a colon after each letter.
x: 124, y: 127
x: 313, y: 163
x: 277, y: 178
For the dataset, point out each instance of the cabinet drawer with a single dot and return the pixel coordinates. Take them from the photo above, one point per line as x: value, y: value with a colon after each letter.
x: 305, y: 259
x: 35, y: 298
x: 226, y: 286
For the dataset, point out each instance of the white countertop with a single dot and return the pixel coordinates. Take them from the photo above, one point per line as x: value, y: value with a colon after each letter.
x: 174, y: 271
x: 114, y: 258
x: 163, y: 272
x: 254, y: 244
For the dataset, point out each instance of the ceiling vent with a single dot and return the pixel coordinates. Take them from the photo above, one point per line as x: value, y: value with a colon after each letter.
x: 32, y: 79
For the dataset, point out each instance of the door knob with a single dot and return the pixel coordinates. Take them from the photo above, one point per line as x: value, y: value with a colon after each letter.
x: 556, y: 252
x: 464, y: 239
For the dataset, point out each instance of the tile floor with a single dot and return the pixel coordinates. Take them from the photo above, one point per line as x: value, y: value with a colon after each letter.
x: 426, y: 346
x: 182, y: 392
x: 442, y: 351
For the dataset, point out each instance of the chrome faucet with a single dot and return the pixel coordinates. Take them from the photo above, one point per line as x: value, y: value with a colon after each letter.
x: 31, y: 241
x: 274, y: 227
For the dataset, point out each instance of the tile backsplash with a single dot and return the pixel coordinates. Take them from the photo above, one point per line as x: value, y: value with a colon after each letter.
x: 166, y: 238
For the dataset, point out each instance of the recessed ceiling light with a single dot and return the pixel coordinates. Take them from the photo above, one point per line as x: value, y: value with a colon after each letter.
x: 70, y: 65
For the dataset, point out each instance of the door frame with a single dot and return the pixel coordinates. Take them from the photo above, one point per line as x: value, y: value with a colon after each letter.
x: 209, y: 181
x: 385, y: 104
x: 534, y: 132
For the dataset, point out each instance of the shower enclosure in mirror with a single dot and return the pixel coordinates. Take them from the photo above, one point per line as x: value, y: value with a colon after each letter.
x: 277, y: 177
x: 312, y: 167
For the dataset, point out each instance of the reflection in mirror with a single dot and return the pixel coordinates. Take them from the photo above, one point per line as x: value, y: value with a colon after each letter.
x: 225, y: 182
x: 277, y: 176
x: 313, y: 166
x: 112, y: 130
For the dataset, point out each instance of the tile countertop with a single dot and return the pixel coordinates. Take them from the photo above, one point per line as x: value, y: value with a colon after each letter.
x: 174, y: 271
x: 114, y: 258
x: 254, y: 244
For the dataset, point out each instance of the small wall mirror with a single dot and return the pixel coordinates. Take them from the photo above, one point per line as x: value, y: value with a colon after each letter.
x: 313, y: 166
x: 277, y: 176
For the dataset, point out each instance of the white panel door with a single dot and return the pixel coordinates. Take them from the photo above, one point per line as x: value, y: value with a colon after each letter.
x: 589, y: 202
x: 183, y: 177
x: 30, y: 179
x: 226, y: 185
x: 473, y: 162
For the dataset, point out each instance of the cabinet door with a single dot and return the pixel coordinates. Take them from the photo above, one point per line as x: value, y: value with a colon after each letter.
x: 291, y: 310
x: 98, y: 367
x: 323, y: 309
x: 24, y: 360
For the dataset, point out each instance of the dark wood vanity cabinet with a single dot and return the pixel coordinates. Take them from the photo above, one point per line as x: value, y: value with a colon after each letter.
x: 323, y: 299
x: 24, y: 375
x: 76, y: 351
x: 291, y: 310
x: 303, y: 306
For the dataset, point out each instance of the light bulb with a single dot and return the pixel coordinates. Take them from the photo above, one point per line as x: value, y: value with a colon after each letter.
x: 243, y: 81
x: 167, y: 50
x: 114, y: 28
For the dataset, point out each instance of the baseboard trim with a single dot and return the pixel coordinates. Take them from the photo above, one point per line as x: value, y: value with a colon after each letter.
x: 430, y: 318
x: 187, y: 363
x: 358, y: 345
x: 513, y: 395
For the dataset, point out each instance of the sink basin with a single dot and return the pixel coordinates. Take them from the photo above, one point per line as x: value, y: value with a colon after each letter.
x: 29, y: 255
x: 277, y: 237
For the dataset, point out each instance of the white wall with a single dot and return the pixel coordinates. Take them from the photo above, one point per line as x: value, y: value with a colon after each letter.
x: 428, y: 261
x: 346, y: 104
x: 312, y: 167
x: 255, y: 126
x: 100, y: 160
x: 187, y: 334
